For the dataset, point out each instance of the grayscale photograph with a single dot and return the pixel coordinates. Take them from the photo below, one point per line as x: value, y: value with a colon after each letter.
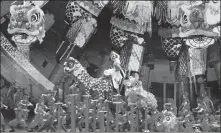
x: 110, y: 66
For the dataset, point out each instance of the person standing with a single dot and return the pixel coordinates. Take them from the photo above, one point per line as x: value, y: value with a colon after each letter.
x: 39, y: 113
x: 2, y: 118
x: 25, y: 104
x: 19, y: 120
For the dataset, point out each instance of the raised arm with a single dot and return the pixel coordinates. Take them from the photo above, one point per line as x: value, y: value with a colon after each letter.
x: 3, y: 106
x: 36, y: 109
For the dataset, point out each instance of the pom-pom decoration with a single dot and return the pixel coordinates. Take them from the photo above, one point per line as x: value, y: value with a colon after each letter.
x: 136, y: 94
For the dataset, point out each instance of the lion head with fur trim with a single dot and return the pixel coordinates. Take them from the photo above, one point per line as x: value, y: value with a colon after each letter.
x: 26, y: 23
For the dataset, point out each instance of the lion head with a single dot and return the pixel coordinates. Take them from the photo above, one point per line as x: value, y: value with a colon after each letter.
x: 26, y: 23
x: 73, y: 65
x: 199, y: 21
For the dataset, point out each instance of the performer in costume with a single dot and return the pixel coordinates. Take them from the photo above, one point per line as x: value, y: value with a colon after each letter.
x: 19, y: 120
x: 217, y: 115
x: 172, y: 107
x: 186, y: 121
x: 169, y: 122
x: 185, y: 104
x: 54, y: 112
x: 167, y: 107
x: 156, y: 117
x: 10, y: 95
x: 67, y: 108
x: 25, y: 104
x: 48, y: 121
x: 136, y: 94
x: 2, y: 118
x: 18, y: 96
x: 49, y: 96
x: 200, y: 110
x: 116, y: 72
x: 209, y: 104
x: 39, y: 114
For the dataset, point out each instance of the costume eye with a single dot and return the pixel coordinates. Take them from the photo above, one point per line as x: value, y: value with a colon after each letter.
x: 215, y: 1
x: 185, y: 18
x: 167, y: 118
x: 35, y: 16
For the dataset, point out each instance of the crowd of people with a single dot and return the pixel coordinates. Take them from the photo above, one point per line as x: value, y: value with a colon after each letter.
x: 203, y: 118
x: 146, y: 115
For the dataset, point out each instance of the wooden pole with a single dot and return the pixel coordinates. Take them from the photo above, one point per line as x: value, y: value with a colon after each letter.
x: 182, y: 87
x: 108, y: 113
x: 191, y: 91
x: 59, y: 115
x: 86, y: 112
x: 31, y: 93
x: 63, y: 92
x: 181, y: 93
x: 137, y: 119
x: 102, y: 129
x: 164, y: 90
x: 57, y: 96
x: 132, y: 117
x: 195, y: 85
x: 148, y: 80
x: 94, y: 114
x: 175, y: 92
x: 73, y: 112
x: 146, y: 119
x: 208, y: 89
x: 117, y: 116
x: 101, y: 103
x: 118, y: 99
x: 202, y: 88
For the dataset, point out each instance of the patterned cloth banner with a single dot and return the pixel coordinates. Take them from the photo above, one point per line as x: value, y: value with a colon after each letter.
x: 197, y: 61
x: 214, y: 54
x: 131, y: 57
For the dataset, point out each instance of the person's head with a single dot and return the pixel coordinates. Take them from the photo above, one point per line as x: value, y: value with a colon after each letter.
x: 26, y: 97
x: 185, y: 96
x: 41, y: 100
x: 201, y: 103
x: 135, y: 74
x: 50, y: 92
x: 168, y: 106
x: 204, y: 94
x: 152, y: 110
x: 114, y: 55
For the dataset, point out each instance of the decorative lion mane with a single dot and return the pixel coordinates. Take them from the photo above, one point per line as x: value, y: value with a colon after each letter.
x: 136, y: 94
x: 26, y: 23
